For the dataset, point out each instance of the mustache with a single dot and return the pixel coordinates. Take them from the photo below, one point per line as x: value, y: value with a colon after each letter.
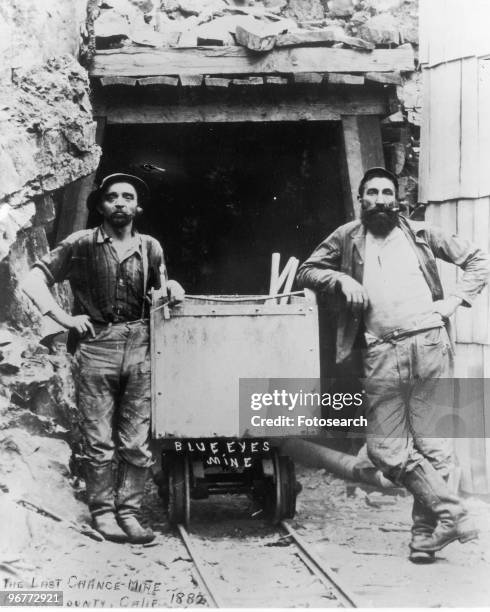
x: 382, y: 209
x: 120, y: 213
x: 380, y: 221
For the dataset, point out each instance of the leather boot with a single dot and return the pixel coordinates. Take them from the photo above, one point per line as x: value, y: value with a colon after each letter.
x: 131, y: 487
x: 431, y: 490
x: 424, y: 523
x: 100, y: 495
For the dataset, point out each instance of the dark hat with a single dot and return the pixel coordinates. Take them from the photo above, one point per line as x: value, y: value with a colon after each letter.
x: 377, y: 171
x: 119, y: 177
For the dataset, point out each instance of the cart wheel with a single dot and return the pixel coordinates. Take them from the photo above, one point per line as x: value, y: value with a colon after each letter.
x: 280, y: 491
x: 289, y: 486
x: 178, y: 478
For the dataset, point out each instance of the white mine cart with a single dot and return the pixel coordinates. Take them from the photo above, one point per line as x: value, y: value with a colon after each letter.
x: 199, y: 352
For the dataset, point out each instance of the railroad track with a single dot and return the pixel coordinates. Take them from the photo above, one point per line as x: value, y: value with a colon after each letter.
x: 316, y: 566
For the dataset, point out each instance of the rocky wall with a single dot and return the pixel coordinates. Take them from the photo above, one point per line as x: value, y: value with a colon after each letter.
x: 47, y: 137
x: 47, y: 140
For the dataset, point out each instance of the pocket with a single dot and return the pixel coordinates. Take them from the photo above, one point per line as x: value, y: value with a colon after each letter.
x: 433, y: 337
x: 435, y: 354
x: 99, y: 335
x: 380, y: 360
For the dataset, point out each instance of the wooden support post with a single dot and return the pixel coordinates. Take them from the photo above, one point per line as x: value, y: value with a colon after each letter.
x: 363, y: 149
x: 99, y: 133
x: 73, y: 214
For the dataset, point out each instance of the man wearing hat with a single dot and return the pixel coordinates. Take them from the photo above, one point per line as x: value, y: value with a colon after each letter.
x: 395, y: 318
x: 110, y: 269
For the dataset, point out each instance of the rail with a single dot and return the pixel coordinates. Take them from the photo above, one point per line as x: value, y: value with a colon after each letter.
x: 315, y: 565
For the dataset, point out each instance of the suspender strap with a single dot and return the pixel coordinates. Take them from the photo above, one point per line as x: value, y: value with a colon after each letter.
x: 144, y: 257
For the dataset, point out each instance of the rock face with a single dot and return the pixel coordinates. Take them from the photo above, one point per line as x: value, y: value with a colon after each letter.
x: 47, y: 136
x: 381, y: 30
x: 48, y: 133
x: 36, y: 31
x: 47, y: 141
x: 305, y: 10
x: 340, y: 8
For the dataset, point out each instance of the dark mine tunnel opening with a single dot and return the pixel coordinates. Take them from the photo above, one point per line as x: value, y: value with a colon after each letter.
x: 232, y: 194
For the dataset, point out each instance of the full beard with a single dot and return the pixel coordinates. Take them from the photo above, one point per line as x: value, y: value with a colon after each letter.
x: 379, y: 222
x: 120, y: 219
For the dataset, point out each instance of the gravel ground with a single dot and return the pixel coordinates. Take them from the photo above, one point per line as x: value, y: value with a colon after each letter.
x: 362, y: 535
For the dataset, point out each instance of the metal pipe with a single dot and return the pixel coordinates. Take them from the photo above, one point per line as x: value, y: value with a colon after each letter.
x: 343, y: 465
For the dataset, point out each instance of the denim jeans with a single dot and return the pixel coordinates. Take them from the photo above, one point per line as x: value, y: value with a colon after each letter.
x: 410, y: 391
x: 112, y: 376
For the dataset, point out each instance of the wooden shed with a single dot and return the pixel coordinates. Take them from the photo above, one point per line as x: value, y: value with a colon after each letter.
x: 455, y: 184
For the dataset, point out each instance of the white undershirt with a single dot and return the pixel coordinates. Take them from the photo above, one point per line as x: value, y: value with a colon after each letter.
x: 399, y: 296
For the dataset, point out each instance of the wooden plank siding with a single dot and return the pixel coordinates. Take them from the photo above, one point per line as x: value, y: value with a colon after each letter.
x: 455, y: 183
x: 456, y: 127
x: 471, y: 220
x: 453, y: 29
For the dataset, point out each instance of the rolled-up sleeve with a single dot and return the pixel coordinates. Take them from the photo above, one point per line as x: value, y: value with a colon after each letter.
x: 56, y: 264
x: 474, y: 262
x: 157, y: 259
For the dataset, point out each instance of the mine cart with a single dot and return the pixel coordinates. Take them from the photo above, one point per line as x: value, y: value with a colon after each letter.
x: 206, y: 354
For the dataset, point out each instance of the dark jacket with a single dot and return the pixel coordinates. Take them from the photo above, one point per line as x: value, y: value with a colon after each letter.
x: 342, y: 253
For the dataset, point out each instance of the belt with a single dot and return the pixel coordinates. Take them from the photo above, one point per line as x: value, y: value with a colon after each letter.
x: 401, y: 334
x: 101, y: 326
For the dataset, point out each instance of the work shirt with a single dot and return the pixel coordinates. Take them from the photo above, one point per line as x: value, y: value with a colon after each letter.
x: 399, y: 296
x: 107, y: 287
x: 343, y: 254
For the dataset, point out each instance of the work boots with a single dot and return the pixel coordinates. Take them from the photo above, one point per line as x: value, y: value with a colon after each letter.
x: 429, y: 488
x: 424, y: 523
x: 131, y: 487
x: 100, y: 497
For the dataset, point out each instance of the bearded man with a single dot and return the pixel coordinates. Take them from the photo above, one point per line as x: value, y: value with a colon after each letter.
x: 396, y: 315
x: 111, y: 269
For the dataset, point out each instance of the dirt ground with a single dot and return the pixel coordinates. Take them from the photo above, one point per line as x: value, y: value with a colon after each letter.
x: 362, y: 536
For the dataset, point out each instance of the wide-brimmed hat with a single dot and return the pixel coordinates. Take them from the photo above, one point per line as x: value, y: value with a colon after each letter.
x: 141, y: 187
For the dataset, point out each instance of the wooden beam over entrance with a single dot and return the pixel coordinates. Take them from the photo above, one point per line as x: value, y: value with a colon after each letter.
x: 326, y: 104
x: 137, y: 62
x: 215, y: 113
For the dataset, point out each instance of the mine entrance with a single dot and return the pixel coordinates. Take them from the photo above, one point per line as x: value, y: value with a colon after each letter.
x: 232, y: 194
